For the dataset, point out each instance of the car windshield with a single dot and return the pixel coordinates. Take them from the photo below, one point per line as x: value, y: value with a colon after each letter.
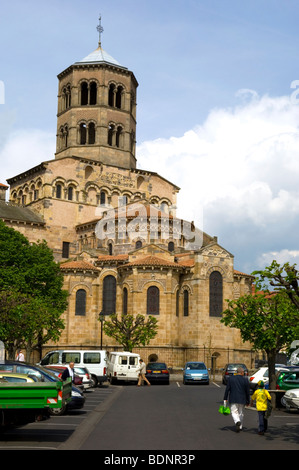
x: 195, y: 365
x: 41, y: 373
x: 157, y: 366
x: 235, y: 366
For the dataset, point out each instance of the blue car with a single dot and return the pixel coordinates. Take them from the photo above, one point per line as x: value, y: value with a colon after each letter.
x: 195, y: 372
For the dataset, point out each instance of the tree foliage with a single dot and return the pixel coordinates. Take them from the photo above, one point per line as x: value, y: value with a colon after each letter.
x: 31, y: 295
x: 282, y: 278
x: 131, y: 330
x: 268, y: 320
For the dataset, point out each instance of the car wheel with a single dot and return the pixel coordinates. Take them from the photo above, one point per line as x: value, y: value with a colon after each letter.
x: 94, y: 381
x: 283, y: 401
x: 57, y: 411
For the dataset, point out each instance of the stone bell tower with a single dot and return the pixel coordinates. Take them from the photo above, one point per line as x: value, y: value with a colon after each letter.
x: 96, y: 116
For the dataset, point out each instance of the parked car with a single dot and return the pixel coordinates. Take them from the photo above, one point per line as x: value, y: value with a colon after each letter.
x: 157, y: 372
x: 195, y: 372
x: 43, y: 375
x: 291, y: 399
x: 17, y: 378
x: 231, y: 369
x: 263, y: 374
x: 288, y: 380
x: 84, y: 373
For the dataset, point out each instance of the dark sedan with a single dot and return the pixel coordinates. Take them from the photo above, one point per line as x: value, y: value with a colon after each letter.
x: 157, y: 372
x: 231, y: 369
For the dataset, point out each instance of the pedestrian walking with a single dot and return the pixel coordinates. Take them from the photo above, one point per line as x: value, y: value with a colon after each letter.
x: 237, y: 393
x: 68, y: 372
x: 141, y: 375
x: 261, y: 397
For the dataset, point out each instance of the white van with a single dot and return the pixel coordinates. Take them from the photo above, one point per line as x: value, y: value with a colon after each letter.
x: 93, y: 360
x: 122, y: 366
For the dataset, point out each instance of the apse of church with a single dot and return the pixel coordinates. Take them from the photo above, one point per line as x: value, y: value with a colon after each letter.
x: 114, y: 228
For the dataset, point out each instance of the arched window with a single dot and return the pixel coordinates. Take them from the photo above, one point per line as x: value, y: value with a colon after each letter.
x: 109, y: 295
x: 111, y: 95
x: 118, y: 137
x: 153, y: 301
x: 186, y: 303
x: 84, y: 93
x: 125, y: 301
x: 68, y: 97
x: 91, y: 133
x: 80, y: 302
x: 138, y: 244
x: 110, y: 249
x: 93, y: 93
x: 170, y: 246
x: 58, y: 191
x: 83, y: 133
x: 216, y: 294
x: 102, y: 197
x: 111, y: 130
x: 118, y: 97
x: 70, y: 193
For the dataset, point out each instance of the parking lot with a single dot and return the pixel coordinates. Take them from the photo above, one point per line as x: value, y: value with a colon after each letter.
x: 57, y: 432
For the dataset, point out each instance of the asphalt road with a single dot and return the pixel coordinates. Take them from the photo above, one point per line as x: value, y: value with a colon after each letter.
x: 178, y: 419
x: 184, y: 417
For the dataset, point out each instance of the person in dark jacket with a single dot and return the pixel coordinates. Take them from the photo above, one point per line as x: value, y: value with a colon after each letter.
x: 68, y: 372
x: 237, y: 392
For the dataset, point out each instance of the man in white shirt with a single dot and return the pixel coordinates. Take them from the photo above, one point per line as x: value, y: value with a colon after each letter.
x: 142, y: 371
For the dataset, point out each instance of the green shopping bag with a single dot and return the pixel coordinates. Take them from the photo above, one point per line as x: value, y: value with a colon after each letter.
x: 224, y: 410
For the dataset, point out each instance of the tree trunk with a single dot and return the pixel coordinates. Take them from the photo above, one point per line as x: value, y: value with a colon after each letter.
x: 272, y: 375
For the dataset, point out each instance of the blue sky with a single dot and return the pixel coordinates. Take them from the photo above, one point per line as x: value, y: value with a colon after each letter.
x: 215, y: 115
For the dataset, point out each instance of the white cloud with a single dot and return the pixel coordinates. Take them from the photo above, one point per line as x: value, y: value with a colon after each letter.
x: 23, y: 150
x: 283, y: 256
x: 242, y: 167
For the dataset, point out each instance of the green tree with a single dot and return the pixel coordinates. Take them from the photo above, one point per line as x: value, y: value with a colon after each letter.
x: 131, y: 331
x: 31, y: 295
x: 282, y: 278
x: 269, y: 321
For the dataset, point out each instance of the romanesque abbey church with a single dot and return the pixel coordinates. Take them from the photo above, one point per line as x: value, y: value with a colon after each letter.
x: 113, y: 228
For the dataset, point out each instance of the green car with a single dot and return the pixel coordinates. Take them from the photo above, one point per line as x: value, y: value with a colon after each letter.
x: 288, y: 380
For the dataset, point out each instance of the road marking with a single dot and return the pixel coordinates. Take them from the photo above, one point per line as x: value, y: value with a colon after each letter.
x: 216, y: 384
x: 178, y: 384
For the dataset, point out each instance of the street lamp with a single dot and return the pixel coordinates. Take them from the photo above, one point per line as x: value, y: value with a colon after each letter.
x: 101, y: 318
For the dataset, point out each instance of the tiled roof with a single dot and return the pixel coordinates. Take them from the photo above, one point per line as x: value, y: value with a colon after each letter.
x: 9, y: 211
x: 239, y: 273
x: 154, y: 261
x: 112, y: 257
x: 78, y: 266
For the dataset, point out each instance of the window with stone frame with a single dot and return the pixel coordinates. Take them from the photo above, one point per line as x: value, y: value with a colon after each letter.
x: 125, y: 301
x: 186, y: 303
x: 109, y: 295
x: 80, y: 309
x: 153, y: 301
x: 216, y: 294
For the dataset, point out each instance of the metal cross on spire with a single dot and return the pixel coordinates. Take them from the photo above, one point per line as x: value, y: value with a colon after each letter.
x: 100, y: 29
